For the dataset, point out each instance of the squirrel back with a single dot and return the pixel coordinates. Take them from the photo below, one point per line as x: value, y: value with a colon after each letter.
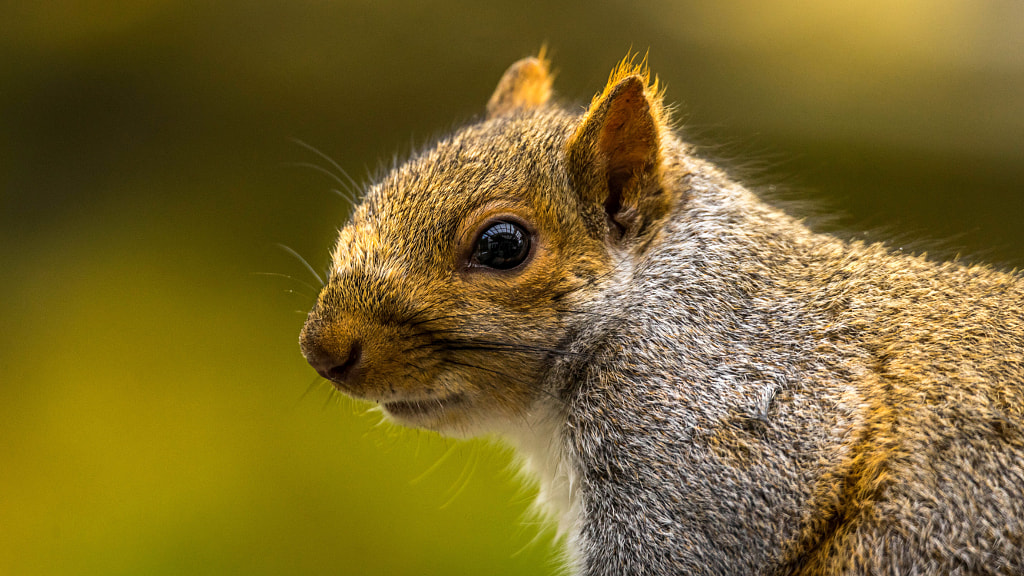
x: 701, y: 383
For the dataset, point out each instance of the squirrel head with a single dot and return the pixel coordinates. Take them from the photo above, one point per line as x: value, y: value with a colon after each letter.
x: 463, y: 275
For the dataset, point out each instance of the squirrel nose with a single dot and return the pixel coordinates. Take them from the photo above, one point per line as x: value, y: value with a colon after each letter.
x: 339, y: 365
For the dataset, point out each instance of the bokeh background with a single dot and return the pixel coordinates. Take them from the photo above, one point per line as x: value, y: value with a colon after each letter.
x: 156, y: 416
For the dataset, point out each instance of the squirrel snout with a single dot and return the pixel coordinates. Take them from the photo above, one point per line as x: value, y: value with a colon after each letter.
x: 339, y: 369
x: 339, y: 364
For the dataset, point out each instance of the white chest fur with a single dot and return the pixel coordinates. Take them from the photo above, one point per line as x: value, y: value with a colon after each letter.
x: 544, y: 459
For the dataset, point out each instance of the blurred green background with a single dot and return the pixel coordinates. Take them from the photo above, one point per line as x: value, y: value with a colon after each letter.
x: 156, y: 416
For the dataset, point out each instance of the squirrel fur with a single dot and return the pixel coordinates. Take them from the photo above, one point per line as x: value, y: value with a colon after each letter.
x: 701, y: 384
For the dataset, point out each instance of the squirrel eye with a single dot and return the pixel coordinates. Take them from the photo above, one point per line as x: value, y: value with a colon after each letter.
x: 502, y: 246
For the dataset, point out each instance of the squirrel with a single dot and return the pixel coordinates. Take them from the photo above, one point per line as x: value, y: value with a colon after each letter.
x: 700, y: 383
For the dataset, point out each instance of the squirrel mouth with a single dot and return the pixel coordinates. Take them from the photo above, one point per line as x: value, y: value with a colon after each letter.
x: 412, y: 409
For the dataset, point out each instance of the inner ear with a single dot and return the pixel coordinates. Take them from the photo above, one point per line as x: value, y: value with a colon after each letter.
x: 628, y: 142
x: 614, y: 156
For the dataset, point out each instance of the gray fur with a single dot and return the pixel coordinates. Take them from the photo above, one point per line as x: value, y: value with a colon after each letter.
x: 698, y: 473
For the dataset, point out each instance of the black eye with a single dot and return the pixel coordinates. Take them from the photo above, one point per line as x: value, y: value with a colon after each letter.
x: 502, y: 246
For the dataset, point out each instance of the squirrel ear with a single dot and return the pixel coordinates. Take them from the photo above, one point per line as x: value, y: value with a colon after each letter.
x: 614, y: 157
x: 526, y: 84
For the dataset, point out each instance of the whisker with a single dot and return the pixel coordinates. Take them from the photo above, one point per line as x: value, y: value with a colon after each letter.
x: 437, y: 464
x: 287, y: 276
x: 354, y: 185
x: 315, y: 383
x: 330, y: 397
x: 456, y: 345
x: 464, y: 477
x: 348, y: 197
x: 459, y: 345
x: 509, y: 377
x: 337, y: 179
x: 475, y: 367
x: 303, y: 260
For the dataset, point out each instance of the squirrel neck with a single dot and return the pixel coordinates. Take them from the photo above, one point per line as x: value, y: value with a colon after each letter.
x: 695, y: 299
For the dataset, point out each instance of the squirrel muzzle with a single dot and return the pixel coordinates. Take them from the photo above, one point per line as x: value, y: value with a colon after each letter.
x: 339, y: 363
x: 334, y: 354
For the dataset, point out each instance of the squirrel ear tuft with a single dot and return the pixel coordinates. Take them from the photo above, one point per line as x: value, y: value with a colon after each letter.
x: 615, y: 155
x: 526, y: 84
